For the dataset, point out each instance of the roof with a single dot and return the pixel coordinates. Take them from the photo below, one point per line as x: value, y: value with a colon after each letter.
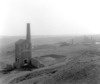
x: 20, y: 41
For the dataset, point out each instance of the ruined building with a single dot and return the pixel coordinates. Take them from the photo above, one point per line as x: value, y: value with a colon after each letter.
x: 23, y: 52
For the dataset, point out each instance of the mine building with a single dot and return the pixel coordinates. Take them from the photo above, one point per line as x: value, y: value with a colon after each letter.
x: 23, y: 52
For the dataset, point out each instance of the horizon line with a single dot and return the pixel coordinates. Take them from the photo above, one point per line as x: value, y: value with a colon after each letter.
x: 48, y: 35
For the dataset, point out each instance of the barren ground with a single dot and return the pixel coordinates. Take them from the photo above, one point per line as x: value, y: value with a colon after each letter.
x: 74, y: 64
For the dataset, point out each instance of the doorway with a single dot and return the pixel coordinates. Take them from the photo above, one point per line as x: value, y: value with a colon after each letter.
x: 25, y: 61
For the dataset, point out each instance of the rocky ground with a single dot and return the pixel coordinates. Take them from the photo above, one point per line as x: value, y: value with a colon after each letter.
x: 75, y: 66
x: 79, y: 70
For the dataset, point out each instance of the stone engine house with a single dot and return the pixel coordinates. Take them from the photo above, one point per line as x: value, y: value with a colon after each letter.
x: 23, y: 52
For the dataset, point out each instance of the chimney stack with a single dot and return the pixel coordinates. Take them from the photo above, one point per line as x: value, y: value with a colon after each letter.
x: 28, y: 37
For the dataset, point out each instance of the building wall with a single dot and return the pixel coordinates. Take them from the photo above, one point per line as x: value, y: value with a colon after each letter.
x: 22, y: 54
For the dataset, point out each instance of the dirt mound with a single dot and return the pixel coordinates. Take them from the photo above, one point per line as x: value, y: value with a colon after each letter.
x: 54, y: 56
x: 79, y: 73
x: 51, y: 59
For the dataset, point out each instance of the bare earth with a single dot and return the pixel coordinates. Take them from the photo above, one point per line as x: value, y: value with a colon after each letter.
x: 75, y: 64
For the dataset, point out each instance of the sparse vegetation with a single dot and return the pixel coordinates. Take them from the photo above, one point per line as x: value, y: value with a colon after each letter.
x: 8, y: 68
x: 75, y: 73
x: 79, y: 73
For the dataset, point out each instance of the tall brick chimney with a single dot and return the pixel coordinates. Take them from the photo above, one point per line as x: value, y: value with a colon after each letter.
x: 28, y: 37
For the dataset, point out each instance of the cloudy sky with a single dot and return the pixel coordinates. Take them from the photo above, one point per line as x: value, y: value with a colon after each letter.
x: 50, y: 17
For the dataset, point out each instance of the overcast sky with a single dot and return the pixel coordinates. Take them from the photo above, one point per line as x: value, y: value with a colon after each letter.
x: 50, y: 17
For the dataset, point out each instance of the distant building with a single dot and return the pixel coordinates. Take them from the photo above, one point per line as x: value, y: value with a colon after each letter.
x: 23, y: 54
x: 88, y: 40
